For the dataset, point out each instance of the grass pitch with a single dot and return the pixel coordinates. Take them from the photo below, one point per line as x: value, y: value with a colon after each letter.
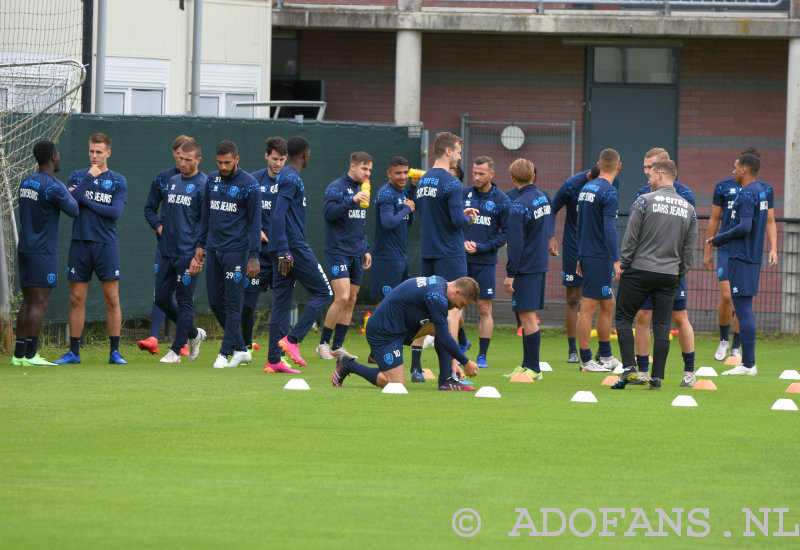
x: 185, y: 456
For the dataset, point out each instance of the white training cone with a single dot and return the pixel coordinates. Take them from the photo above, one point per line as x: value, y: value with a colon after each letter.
x: 394, y: 387
x: 790, y: 375
x: 784, y: 405
x: 584, y: 397
x: 706, y: 371
x: 684, y: 401
x: 544, y: 366
x: 427, y: 342
x: 488, y: 391
x: 296, y: 384
x: 619, y: 369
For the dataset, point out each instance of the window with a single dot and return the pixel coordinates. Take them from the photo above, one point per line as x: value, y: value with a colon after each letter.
x: 133, y: 101
x: 136, y: 86
x: 285, y: 57
x: 635, y: 65
x: 223, y: 85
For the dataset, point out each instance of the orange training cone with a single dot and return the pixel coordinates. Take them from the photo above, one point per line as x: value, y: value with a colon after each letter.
x: 794, y: 387
x: 428, y: 374
x: 609, y: 380
x: 733, y: 360
x: 521, y: 377
x: 704, y: 385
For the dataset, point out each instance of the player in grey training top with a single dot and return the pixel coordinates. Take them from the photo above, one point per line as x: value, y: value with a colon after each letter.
x: 657, y: 251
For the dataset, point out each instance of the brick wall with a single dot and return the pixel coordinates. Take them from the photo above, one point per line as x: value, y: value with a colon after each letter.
x: 732, y: 92
x: 732, y: 95
x: 491, y: 77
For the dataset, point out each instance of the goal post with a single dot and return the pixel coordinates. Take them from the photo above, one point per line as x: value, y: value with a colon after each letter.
x: 40, y: 79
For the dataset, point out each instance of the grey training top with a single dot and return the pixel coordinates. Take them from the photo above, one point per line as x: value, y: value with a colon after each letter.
x: 661, y: 234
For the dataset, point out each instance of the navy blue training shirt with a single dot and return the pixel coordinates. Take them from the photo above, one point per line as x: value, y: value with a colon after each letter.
x: 345, y: 220
x: 530, y: 232
x: 269, y: 188
x: 391, y: 224
x: 597, y: 209
x: 231, y: 214
x: 102, y: 200
x: 410, y: 305
x: 749, y: 221
x: 567, y: 197
x: 41, y: 200
x: 154, y: 196
x: 288, y: 227
x: 182, y: 201
x: 490, y: 228
x: 441, y: 214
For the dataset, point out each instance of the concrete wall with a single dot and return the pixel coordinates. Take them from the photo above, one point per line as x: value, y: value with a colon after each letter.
x: 234, y: 32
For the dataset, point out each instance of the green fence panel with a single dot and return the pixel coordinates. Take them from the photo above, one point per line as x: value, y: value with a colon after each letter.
x: 142, y: 146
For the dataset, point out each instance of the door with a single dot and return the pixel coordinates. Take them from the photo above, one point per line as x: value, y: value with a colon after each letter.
x: 632, y: 107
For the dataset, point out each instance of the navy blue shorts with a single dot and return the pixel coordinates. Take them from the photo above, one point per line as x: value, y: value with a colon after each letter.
x: 344, y: 267
x: 37, y: 270
x: 680, y: 299
x: 87, y: 257
x: 569, y: 277
x: 485, y: 274
x: 528, y: 292
x: 388, y: 355
x: 598, y: 275
x: 385, y: 275
x: 722, y: 265
x: 449, y: 269
x: 744, y: 277
x: 262, y: 281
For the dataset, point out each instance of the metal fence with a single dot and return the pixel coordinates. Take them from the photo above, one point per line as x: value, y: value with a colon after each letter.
x: 776, y: 308
x: 664, y: 5
x: 539, y: 5
x: 550, y: 144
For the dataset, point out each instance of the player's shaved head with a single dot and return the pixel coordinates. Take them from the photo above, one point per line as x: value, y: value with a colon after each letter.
x: 666, y: 167
x: 469, y: 288
x: 609, y: 160
x: 192, y: 147
x: 297, y: 145
x: 44, y: 152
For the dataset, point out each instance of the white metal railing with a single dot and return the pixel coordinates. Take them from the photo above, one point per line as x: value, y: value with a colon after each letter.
x: 665, y: 5
x: 278, y: 104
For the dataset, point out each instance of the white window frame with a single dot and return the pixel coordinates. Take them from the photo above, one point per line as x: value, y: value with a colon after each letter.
x: 126, y: 74
x: 220, y: 80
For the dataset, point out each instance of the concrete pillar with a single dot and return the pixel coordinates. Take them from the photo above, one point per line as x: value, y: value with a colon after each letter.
x: 408, y: 69
x: 790, y: 291
x: 408, y: 77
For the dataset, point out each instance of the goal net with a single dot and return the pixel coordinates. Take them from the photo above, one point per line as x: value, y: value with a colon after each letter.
x: 40, y: 79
